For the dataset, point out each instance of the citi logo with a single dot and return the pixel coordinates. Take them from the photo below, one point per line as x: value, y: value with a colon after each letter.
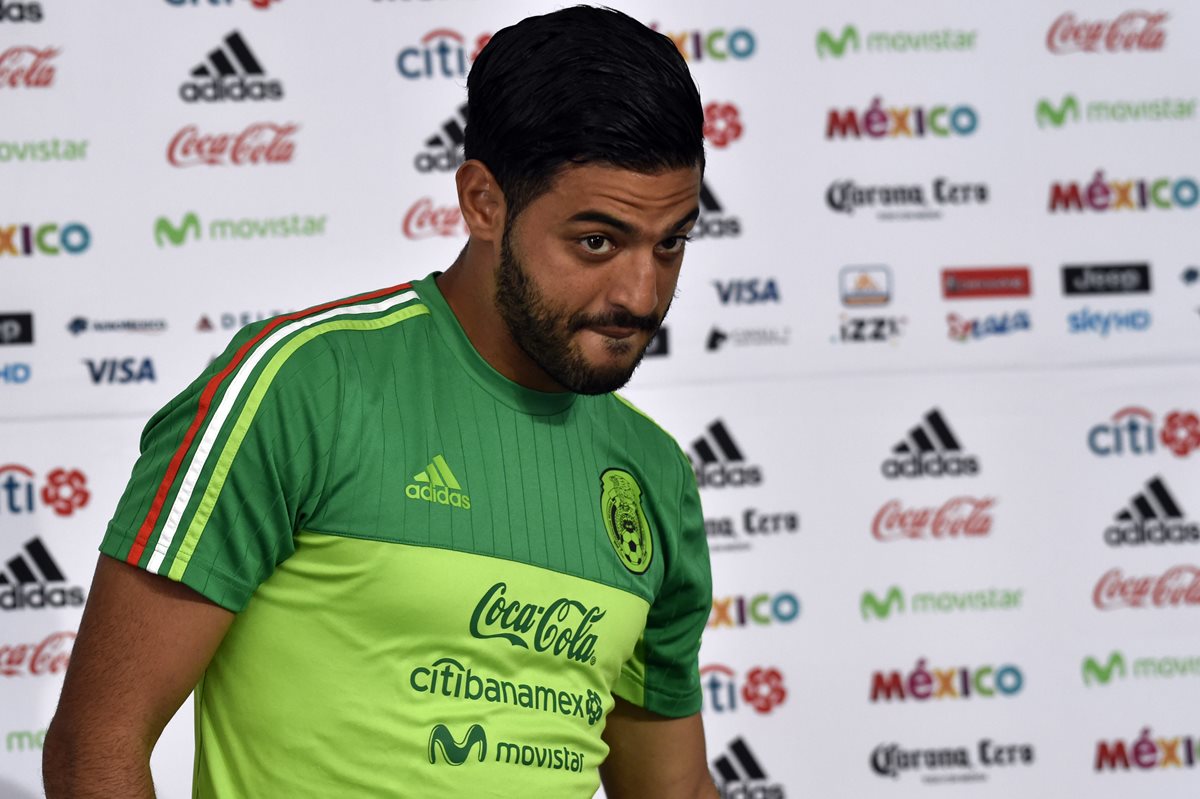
x: 20, y: 12
x: 441, y: 53
x: 120, y: 370
x: 436, y: 483
x: 849, y: 40
x: 1153, y: 516
x: 32, y: 579
x: 50, y: 238
x: 760, y: 609
x: 930, y: 450
x: 714, y: 222
x: 230, y: 72
x: 725, y: 691
x: 719, y: 462
x: 64, y: 491
x: 16, y: 328
x: 739, y: 775
x: 1132, y: 431
x: 444, y: 149
x: 750, y: 291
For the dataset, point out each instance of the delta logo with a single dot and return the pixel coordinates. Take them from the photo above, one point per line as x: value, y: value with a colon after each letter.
x: 25, y: 67
x: 718, y: 460
x: 47, y: 238
x: 441, y: 53
x: 763, y: 610
x: 717, y: 44
x: 32, y: 580
x: 231, y: 72
x: 973, y: 282
x: 444, y: 149
x: 63, y: 491
x: 437, y: 484
x: 233, y: 320
x: 862, y: 286
x: 931, y: 449
x: 739, y: 774
x: 1133, y: 431
x: 1153, y: 516
x: 714, y: 221
x: 1133, y: 30
x: 1098, y: 671
x: 849, y: 40
x: 909, y: 121
x: 726, y: 691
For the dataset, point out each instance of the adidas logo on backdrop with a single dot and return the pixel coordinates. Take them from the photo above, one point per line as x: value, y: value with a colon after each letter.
x: 740, y: 776
x: 930, y: 450
x: 444, y: 150
x: 437, y: 484
x: 1153, y: 516
x: 230, y: 72
x: 718, y: 461
x: 33, y: 580
x: 714, y: 222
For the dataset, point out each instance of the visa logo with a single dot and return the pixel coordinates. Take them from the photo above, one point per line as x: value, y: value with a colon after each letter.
x: 120, y: 370
x: 747, y: 292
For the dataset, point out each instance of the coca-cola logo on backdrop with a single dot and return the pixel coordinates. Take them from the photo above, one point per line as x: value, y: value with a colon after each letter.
x: 27, y: 67
x: 1177, y: 586
x: 960, y: 517
x: 1133, y: 30
x: 37, y: 659
x: 259, y: 143
x: 426, y: 220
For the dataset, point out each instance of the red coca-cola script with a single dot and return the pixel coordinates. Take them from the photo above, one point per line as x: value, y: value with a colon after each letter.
x: 28, y: 67
x: 960, y: 516
x: 425, y: 220
x: 1133, y: 30
x: 1179, y: 585
x: 260, y: 143
x: 50, y: 656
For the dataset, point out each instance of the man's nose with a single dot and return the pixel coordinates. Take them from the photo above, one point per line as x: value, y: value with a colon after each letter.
x: 635, y: 283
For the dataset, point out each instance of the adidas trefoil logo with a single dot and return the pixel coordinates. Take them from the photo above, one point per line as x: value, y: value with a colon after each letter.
x: 436, y: 483
x: 34, y: 580
x: 230, y: 72
x: 930, y: 450
x: 719, y: 462
x: 1153, y: 516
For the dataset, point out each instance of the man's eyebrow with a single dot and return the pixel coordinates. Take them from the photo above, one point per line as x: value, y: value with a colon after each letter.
x: 619, y: 224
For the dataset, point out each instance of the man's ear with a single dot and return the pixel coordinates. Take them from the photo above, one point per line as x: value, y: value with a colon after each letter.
x: 481, y: 201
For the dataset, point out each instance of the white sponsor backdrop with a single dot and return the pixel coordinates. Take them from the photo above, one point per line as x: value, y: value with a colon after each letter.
x: 777, y: 387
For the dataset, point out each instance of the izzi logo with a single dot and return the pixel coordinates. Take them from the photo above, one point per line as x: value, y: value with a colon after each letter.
x: 907, y: 121
x: 1102, y: 671
x: 725, y: 691
x: 1153, y: 516
x: 64, y: 491
x: 739, y: 775
x: 441, y: 53
x: 869, y: 329
x: 762, y: 610
x: 985, y: 282
x: 120, y: 371
x: 444, y: 150
x: 904, y: 201
x: 714, y: 221
x: 230, y: 72
x: 1134, y: 194
x: 862, y: 286
x: 50, y: 238
x: 949, y: 765
x: 1050, y: 114
x: 718, y: 460
x: 16, y: 328
x: 33, y: 581
x: 747, y: 291
x: 1132, y: 431
x: 436, y: 483
x: 849, y: 40
x: 930, y: 450
x: 716, y: 44
x: 279, y: 227
x: 20, y: 12
x: 882, y: 606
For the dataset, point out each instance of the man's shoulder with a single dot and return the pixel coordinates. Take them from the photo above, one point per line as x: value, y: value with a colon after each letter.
x: 644, y: 427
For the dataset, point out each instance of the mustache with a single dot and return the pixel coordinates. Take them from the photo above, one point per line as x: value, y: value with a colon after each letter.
x: 615, y: 319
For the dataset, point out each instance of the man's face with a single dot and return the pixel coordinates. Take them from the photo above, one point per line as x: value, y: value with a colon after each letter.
x: 588, y: 269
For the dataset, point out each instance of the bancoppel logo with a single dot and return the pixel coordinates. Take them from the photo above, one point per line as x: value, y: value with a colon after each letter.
x: 714, y: 222
x: 902, y: 202
x: 49, y: 238
x: 740, y: 776
x: 1132, y: 431
x: 1054, y: 115
x: 763, y: 609
x: 260, y: 143
x: 16, y: 328
x: 909, y: 121
x: 963, y: 329
x: 748, y: 291
x: 81, y: 324
x: 850, y: 40
x: 1133, y: 30
x: 444, y: 150
x: 930, y: 450
x: 719, y: 338
x: 865, y: 285
x: 881, y: 606
x: 964, y: 283
x: 64, y: 492
x: 725, y: 691
x: 120, y: 371
x: 867, y: 329
x: 1132, y: 278
x: 949, y: 765
x: 33, y: 580
x: 718, y: 461
x: 730, y: 534
x: 230, y: 72
x: 1153, y: 516
x: 1177, y: 586
x: 1135, y: 194
x: 717, y: 44
x: 441, y: 53
x: 20, y: 12
x: 425, y: 220
x: 27, y: 67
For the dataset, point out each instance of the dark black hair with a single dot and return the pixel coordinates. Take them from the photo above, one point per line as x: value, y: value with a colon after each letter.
x: 580, y: 85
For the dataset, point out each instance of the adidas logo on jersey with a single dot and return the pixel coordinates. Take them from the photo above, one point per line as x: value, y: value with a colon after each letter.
x: 930, y: 450
x: 727, y: 469
x: 437, y: 484
x: 33, y: 580
x: 1153, y: 516
x: 230, y: 72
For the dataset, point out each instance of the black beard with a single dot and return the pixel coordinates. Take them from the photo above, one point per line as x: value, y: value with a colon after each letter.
x: 544, y: 333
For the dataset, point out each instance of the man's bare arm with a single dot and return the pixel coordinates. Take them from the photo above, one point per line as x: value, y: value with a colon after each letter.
x: 142, y: 645
x: 652, y: 755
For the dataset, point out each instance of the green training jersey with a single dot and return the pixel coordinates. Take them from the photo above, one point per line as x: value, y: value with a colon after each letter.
x: 441, y: 577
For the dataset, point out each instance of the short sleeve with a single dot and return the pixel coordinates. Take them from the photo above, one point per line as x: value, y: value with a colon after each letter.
x: 663, y: 676
x: 230, y: 468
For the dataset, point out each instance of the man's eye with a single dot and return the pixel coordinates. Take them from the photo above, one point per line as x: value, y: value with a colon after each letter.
x: 597, y: 244
x: 675, y: 244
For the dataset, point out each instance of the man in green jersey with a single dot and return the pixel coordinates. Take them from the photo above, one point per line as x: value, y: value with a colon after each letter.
x: 409, y: 543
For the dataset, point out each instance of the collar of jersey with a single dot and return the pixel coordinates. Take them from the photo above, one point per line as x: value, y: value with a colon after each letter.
x: 514, y: 395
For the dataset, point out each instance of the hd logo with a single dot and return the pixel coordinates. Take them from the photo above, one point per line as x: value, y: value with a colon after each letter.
x: 727, y: 469
x: 437, y: 484
x: 230, y: 72
x: 930, y: 450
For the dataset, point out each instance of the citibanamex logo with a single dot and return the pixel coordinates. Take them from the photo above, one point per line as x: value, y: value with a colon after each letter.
x: 1129, y: 195
x: 1178, y: 586
x: 761, y: 688
x: 259, y: 143
x: 923, y: 683
x: 1148, y: 752
x: 426, y: 220
x: 39, y: 659
x: 1133, y: 431
x: 878, y: 122
x: 27, y: 67
x: 722, y: 124
x: 63, y: 491
x: 1133, y: 30
x: 960, y: 517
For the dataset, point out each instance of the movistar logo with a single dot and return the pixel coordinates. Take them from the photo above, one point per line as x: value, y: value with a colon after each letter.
x: 163, y: 229
x: 436, y: 483
x: 827, y: 44
x: 882, y: 608
x: 454, y: 752
x: 1047, y: 114
x: 1094, y: 672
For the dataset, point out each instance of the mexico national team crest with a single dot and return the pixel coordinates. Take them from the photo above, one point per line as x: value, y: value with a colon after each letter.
x: 621, y: 507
